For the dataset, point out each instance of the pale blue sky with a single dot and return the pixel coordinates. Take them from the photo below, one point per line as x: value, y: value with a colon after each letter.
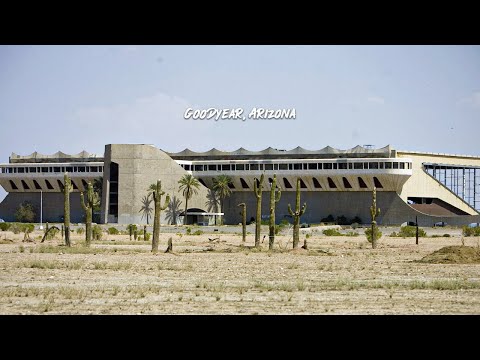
x: 74, y: 98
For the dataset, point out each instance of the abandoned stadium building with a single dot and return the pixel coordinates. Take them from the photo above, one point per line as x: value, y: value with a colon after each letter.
x: 433, y: 187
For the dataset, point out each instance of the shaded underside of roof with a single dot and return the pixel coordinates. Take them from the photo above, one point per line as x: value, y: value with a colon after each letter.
x: 296, y: 153
x: 58, y: 157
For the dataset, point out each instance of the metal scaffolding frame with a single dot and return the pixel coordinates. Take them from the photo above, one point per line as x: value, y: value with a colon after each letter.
x: 464, y: 181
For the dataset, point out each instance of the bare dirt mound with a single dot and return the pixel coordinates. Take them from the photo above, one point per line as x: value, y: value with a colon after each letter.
x: 453, y: 255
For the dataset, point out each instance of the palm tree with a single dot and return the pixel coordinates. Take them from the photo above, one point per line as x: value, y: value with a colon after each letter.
x: 146, y: 209
x: 220, y: 186
x: 189, y: 185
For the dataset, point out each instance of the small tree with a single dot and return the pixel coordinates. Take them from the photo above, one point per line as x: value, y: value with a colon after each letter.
x: 274, y: 198
x: 257, y: 190
x: 157, y: 198
x: 244, y: 221
x: 189, y: 185
x: 374, y: 212
x: 25, y: 212
x: 296, y: 215
x: 221, y: 187
x: 67, y: 189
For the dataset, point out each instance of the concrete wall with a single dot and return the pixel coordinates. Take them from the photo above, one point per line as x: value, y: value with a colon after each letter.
x: 140, y: 166
x: 52, y: 206
x: 394, y: 210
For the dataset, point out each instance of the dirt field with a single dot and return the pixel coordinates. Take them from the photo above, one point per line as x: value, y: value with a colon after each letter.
x: 337, y: 275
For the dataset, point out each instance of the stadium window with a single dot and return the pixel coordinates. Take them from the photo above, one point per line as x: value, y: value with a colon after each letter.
x: 302, y: 184
x: 84, y: 183
x: 305, y: 166
x: 358, y: 165
x: 70, y: 169
x: 244, y: 184
x: 12, y: 184
x: 346, y: 184
x: 316, y: 183
x: 268, y: 166
x: 361, y: 183
x: 60, y: 184
x: 282, y: 166
x: 75, y: 187
x: 312, y: 166
x: 187, y: 167
x: 377, y: 183
x: 290, y: 166
x: 297, y: 166
x: 382, y: 165
x: 331, y: 184
x: 275, y: 166
x: 402, y: 165
x: 373, y: 165
x: 320, y: 167
x: 226, y: 167
x: 33, y: 170
x: 81, y: 169
x: 350, y: 165
x: 253, y: 166
x: 335, y: 166
x: 198, y: 167
x: 37, y: 185
x: 286, y: 183
x: 240, y: 167
x: 49, y: 186
x: 342, y: 166
x: 56, y: 169
x: 261, y: 166
x: 395, y: 165
x: 327, y: 166
x: 388, y: 165
x: 20, y: 170
x: 231, y: 186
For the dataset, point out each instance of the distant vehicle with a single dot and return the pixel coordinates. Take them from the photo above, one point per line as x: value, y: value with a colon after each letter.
x: 473, y: 225
x: 1, y: 220
x: 440, y: 224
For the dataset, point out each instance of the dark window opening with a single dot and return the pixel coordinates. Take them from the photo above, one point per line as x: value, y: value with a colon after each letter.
x: 275, y: 166
x: 44, y: 169
x: 270, y: 180
x: 261, y: 166
x: 114, y: 187
x: 37, y: 185
x: 75, y: 187
x: 395, y: 165
x: 342, y: 166
x: 327, y: 166
x: 93, y: 169
x: 373, y: 165
x: 287, y: 183
x: 388, y: 165
x: 113, y: 196
x: 346, y: 184
x: 84, y: 183
x: 290, y: 166
x: 187, y: 167
x: 302, y: 184
x: 33, y: 170
x: 231, y: 186
x: 12, y: 184
x: 316, y: 183
x: 382, y: 165
x: 113, y: 199
x: 268, y: 166
x: 198, y: 168
x: 358, y: 165
x: 56, y: 169
x: 226, y: 167
x: 240, y: 167
x: 244, y: 184
x: 402, y: 165
x: 282, y: 166
x: 113, y: 209
x: 257, y: 182
x: 203, y: 183
x: 361, y: 183
x: 212, y: 167
x: 60, y: 184
x: 331, y: 184
x: 20, y: 170
x: 312, y: 166
x: 297, y: 166
x: 69, y: 169
x: 49, y: 186
x: 377, y: 182
x: 320, y: 166
x: 81, y: 169
x: 253, y: 166
x: 335, y: 166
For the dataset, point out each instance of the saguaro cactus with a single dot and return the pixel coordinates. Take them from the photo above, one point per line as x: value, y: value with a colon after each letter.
x: 296, y: 216
x: 244, y: 221
x: 88, y: 208
x: 374, y: 212
x: 258, y: 221
x: 157, y: 198
x: 274, y: 198
x: 67, y: 189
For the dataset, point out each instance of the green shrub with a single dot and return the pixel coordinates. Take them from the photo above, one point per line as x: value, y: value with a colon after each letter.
x: 21, y: 227
x: 97, y: 232
x: 307, y: 236
x: 198, y: 232
x: 80, y: 230
x: 265, y: 222
x: 25, y: 212
x: 331, y: 232
x: 5, y: 226
x: 410, y: 231
x: 352, y: 233
x: 147, y: 236
x: 328, y: 219
x: 446, y: 235
x: 368, y: 233
x: 189, y: 231
x: 468, y: 231
x: 284, y: 222
x: 52, y: 233
x: 355, y: 225
x: 113, y: 231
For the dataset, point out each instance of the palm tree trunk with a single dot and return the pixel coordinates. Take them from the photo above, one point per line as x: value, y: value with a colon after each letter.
x: 185, y: 213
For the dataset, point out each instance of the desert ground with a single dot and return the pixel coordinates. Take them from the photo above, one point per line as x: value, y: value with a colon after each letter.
x: 336, y: 275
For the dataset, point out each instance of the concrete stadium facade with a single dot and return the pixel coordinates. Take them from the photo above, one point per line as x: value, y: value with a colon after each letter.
x: 428, y: 186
